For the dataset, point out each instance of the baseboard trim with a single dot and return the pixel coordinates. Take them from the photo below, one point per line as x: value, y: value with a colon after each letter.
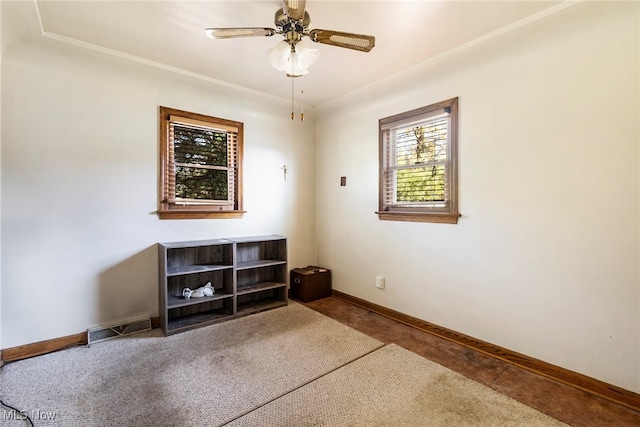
x: 25, y: 351
x: 155, y: 322
x: 590, y: 385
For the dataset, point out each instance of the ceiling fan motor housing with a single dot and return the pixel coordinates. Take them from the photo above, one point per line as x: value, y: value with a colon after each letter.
x: 286, y: 24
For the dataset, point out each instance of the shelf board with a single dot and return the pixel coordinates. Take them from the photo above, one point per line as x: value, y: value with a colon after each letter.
x: 260, y: 305
x: 200, y: 319
x: 257, y: 239
x: 245, y: 265
x: 195, y: 243
x: 177, y: 302
x: 257, y: 287
x: 198, y: 268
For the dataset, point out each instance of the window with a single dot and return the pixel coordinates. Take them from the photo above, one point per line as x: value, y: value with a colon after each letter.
x: 200, y: 166
x: 418, y: 167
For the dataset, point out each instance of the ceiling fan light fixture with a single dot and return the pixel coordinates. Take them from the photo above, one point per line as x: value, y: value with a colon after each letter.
x: 296, y: 68
x: 294, y: 59
x: 307, y: 55
x: 279, y: 56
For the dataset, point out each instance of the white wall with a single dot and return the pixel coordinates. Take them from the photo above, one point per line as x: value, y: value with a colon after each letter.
x: 544, y: 260
x: 1, y: 50
x: 79, y: 184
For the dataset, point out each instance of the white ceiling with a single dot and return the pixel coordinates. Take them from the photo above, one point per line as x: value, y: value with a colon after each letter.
x: 171, y: 34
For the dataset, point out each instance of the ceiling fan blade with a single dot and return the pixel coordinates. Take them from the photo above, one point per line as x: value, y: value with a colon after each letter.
x: 229, y: 33
x: 294, y: 8
x: 359, y: 42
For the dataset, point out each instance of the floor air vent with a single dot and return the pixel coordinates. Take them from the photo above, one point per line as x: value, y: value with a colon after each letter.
x: 102, y: 333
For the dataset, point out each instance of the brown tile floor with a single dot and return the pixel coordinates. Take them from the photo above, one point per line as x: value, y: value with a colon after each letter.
x: 563, y: 402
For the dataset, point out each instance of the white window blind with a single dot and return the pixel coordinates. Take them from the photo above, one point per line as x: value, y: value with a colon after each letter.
x: 202, y: 163
x: 418, y: 164
x: 415, y: 162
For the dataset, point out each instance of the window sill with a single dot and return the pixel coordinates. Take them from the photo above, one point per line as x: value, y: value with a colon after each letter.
x: 438, y: 218
x: 198, y: 214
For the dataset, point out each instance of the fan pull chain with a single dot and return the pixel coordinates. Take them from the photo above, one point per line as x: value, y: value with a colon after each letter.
x: 293, y: 115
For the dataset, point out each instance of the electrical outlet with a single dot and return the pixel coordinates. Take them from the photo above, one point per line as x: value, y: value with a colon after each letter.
x: 379, y: 282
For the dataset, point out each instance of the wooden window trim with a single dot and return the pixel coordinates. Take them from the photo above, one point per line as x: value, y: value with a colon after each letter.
x: 438, y: 218
x: 195, y: 214
x: 167, y: 210
x: 422, y: 213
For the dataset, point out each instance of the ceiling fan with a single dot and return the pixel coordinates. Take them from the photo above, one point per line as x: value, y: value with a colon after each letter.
x: 294, y: 55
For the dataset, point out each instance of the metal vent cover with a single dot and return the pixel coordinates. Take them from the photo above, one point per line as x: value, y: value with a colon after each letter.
x: 106, y: 332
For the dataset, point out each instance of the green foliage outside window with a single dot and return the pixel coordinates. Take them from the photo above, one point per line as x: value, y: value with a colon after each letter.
x: 421, y: 154
x: 201, y: 163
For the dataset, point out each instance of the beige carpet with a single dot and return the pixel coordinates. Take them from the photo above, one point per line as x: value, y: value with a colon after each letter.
x: 395, y: 387
x: 203, y: 377
x: 286, y: 367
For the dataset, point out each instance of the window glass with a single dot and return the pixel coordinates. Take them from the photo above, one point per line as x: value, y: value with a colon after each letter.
x: 418, y: 164
x: 201, y: 164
